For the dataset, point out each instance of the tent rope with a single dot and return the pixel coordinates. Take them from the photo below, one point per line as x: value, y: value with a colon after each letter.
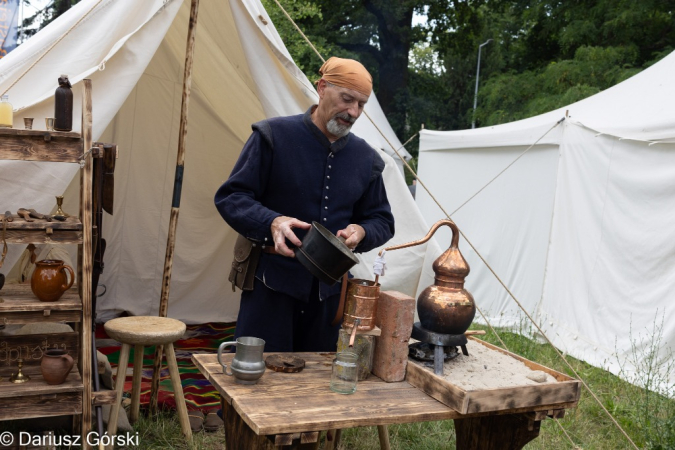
x: 481, y: 256
x: 507, y: 167
x: 51, y: 47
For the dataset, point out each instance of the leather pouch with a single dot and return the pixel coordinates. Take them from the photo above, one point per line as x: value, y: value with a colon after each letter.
x: 246, y: 258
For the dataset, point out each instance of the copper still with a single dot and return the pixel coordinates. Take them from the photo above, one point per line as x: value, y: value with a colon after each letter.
x: 445, y: 307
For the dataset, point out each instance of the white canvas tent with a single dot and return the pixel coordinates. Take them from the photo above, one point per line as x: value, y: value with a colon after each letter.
x: 581, y: 227
x: 134, y: 53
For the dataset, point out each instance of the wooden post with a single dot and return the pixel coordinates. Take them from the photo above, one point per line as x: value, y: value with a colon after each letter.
x: 87, y: 261
x: 175, y: 205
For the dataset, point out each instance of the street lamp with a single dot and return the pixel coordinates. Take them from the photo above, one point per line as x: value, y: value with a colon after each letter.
x: 475, y: 97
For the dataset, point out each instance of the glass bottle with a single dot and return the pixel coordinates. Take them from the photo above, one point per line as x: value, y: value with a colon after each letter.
x: 63, y: 105
x: 6, y: 113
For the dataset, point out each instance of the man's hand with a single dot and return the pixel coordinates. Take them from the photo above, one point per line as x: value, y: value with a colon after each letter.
x: 353, y: 235
x: 282, y: 229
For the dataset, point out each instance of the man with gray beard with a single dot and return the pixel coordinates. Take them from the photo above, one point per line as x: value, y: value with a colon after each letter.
x: 293, y: 171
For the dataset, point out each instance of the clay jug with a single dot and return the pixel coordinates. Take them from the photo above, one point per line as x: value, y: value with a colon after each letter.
x: 55, y: 365
x: 49, y: 280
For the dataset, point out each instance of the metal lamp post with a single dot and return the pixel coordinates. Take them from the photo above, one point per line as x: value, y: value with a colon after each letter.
x: 475, y: 97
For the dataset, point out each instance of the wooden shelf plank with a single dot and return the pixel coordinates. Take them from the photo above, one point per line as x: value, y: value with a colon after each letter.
x: 19, y: 223
x: 38, y: 386
x: 19, y: 297
x: 36, y: 398
x: 38, y: 145
x: 36, y: 237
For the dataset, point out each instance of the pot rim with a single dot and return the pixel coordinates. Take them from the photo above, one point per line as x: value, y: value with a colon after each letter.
x: 337, y: 243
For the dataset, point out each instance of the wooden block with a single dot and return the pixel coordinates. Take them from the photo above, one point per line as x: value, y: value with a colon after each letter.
x: 395, y: 315
x: 363, y: 346
x: 286, y: 439
x: 308, y: 438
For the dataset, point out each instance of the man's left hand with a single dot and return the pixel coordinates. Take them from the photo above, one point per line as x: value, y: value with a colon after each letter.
x: 353, y: 234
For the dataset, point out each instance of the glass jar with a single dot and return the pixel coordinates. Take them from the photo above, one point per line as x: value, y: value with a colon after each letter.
x: 344, y: 375
x: 6, y: 113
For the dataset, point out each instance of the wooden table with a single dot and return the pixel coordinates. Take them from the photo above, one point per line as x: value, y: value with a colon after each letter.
x: 291, y: 409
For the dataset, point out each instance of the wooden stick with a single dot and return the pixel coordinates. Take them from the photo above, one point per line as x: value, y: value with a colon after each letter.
x: 474, y: 332
x: 178, y: 181
x: 87, y: 261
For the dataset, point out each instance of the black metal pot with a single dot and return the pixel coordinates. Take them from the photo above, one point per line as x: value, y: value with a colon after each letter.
x: 324, y: 255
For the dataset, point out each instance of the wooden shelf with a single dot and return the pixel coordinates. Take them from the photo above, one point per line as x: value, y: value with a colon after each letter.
x: 36, y: 398
x: 42, y: 232
x: 19, y: 305
x: 39, y: 145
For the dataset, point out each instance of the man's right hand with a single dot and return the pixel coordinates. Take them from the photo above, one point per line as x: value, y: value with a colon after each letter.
x: 282, y: 229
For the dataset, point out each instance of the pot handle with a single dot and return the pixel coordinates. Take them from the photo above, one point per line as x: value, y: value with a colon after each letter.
x: 72, y: 277
x: 220, y: 353
x: 68, y: 358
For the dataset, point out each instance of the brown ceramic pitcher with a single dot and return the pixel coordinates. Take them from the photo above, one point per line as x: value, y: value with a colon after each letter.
x: 55, y: 365
x: 50, y: 280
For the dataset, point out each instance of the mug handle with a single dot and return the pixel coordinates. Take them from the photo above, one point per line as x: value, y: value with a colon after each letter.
x: 72, y: 277
x: 220, y: 353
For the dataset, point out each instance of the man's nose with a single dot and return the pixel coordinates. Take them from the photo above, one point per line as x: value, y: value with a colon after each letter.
x: 354, y: 111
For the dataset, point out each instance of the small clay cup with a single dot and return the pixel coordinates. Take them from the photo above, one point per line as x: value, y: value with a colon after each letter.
x: 55, y: 365
x: 49, y: 280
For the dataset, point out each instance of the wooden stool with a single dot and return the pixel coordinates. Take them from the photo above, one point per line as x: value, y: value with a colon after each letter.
x: 140, y: 331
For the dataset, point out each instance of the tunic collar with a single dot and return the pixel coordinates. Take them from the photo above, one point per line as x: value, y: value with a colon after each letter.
x: 318, y: 134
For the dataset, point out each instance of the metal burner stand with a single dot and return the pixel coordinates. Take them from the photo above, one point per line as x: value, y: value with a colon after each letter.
x: 439, y: 341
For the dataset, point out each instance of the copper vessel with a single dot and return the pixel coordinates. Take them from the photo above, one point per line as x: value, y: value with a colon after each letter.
x: 445, y: 307
x: 361, y: 303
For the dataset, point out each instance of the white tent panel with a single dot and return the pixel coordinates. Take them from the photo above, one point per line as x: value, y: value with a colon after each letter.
x: 611, y: 267
x: 518, y: 254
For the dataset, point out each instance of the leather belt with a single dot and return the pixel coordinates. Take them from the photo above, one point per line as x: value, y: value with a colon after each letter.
x: 270, y: 250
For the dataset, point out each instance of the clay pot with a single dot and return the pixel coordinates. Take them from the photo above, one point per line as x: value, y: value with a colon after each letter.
x: 49, y: 280
x: 56, y: 365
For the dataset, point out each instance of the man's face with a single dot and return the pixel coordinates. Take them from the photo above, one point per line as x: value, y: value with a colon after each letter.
x: 340, y: 107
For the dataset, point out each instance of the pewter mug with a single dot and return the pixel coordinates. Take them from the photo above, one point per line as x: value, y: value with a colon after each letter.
x: 247, y: 366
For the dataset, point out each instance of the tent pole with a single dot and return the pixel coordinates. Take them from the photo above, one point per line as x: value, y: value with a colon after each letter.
x: 175, y: 205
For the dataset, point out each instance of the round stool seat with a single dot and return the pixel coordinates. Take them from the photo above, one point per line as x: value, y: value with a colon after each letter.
x: 145, y: 330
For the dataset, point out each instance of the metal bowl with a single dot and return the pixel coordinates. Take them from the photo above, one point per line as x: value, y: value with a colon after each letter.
x: 324, y: 255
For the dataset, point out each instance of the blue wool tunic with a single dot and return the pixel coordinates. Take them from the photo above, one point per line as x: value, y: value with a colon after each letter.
x: 288, y: 167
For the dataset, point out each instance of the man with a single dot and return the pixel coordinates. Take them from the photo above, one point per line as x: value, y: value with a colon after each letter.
x: 292, y: 171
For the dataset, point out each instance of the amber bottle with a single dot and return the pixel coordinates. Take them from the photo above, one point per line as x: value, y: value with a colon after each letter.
x: 63, y: 105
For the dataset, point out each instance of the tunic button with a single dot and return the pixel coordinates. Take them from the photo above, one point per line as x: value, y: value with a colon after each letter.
x: 326, y: 197
x: 329, y: 166
x: 325, y: 207
x: 328, y: 176
x: 324, y: 219
x: 327, y: 187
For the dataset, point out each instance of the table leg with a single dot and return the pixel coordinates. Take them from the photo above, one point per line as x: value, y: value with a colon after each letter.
x: 238, y: 435
x: 504, y: 432
x: 383, y: 432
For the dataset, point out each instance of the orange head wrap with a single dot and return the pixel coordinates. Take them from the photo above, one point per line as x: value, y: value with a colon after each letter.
x: 347, y: 73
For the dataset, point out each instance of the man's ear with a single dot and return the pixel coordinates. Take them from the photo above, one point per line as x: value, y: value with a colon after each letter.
x: 321, y: 87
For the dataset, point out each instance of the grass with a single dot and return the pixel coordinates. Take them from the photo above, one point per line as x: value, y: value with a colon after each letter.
x: 648, y: 418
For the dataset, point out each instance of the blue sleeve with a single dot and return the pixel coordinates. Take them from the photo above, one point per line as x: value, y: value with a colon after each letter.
x: 238, y: 199
x: 373, y: 212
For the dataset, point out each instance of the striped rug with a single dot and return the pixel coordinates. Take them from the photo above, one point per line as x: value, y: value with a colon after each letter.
x: 199, y: 394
